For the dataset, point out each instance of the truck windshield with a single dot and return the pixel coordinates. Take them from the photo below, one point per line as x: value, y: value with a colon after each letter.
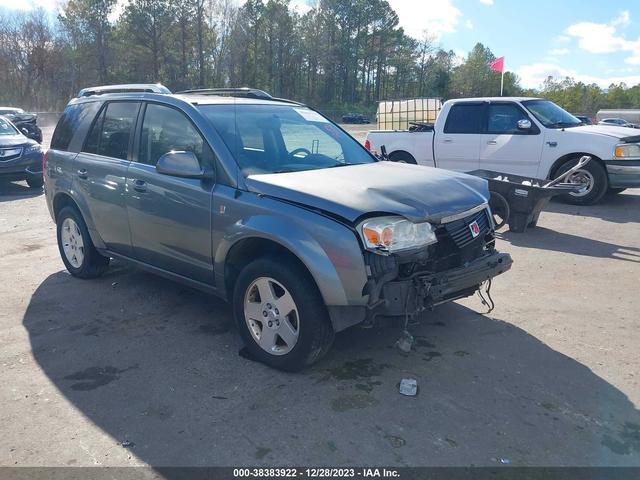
x: 550, y: 114
x: 282, y: 138
x: 6, y: 128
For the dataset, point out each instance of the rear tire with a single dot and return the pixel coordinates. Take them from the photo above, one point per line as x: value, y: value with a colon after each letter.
x: 598, y: 182
x: 35, y: 182
x: 294, y: 302
x: 402, y: 157
x: 76, y: 248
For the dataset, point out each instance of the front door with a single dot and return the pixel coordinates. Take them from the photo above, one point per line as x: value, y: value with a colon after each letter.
x: 457, y: 146
x: 505, y: 147
x: 170, y: 217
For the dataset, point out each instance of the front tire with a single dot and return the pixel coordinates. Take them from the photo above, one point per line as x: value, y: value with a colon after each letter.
x: 76, y: 248
x: 595, y: 177
x: 280, y: 314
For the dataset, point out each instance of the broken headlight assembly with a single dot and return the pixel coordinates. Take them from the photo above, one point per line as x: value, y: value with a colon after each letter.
x: 386, y: 235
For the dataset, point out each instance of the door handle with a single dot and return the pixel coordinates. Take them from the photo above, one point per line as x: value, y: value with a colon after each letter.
x: 552, y: 144
x: 492, y: 142
x: 82, y: 173
x: 140, y: 186
x: 447, y: 140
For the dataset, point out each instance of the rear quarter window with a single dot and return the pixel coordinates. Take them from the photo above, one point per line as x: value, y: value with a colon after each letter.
x: 465, y: 118
x: 72, y: 118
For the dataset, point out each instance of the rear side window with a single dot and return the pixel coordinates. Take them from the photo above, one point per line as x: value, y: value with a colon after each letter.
x: 111, y: 132
x: 465, y: 118
x: 72, y: 117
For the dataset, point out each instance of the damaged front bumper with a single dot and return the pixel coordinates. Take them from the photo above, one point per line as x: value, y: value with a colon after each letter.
x: 424, y: 290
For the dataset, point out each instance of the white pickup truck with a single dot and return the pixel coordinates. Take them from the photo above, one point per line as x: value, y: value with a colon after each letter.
x: 531, y: 137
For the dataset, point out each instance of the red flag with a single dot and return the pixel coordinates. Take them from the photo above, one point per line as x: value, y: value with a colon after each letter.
x: 497, y: 65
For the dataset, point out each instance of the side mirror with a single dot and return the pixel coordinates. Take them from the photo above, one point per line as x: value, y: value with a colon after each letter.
x: 180, y: 164
x: 25, y: 131
x: 524, y: 124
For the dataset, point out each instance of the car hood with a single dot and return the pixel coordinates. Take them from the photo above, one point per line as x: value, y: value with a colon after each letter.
x: 14, y: 141
x: 606, y: 130
x: 356, y: 191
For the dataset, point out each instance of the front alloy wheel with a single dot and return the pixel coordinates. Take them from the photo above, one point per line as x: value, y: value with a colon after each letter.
x: 280, y: 313
x: 271, y: 316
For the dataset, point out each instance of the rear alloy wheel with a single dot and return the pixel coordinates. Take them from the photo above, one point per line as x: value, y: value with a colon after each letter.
x: 592, y: 176
x: 76, y: 248
x: 281, y: 315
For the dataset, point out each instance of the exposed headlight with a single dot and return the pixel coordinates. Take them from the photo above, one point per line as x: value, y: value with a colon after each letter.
x: 626, y: 150
x: 395, y: 234
x: 33, y: 149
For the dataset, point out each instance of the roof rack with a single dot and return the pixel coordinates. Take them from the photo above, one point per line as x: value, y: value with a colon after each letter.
x: 245, y: 92
x: 131, y: 87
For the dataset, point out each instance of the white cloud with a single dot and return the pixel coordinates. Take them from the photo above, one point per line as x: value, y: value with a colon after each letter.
x: 487, y: 2
x: 562, y: 38
x: 27, y: 5
x: 532, y: 76
x: 559, y: 51
x: 604, y: 37
x: 436, y: 16
x: 300, y: 6
x: 469, y: 24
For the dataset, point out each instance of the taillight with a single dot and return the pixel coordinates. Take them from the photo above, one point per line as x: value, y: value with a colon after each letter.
x: 45, y: 158
x: 367, y: 144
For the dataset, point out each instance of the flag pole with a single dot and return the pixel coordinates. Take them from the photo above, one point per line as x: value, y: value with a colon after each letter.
x: 502, y: 79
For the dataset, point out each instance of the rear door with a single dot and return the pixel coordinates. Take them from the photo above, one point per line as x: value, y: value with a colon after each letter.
x: 170, y: 217
x: 101, y: 169
x: 504, y: 147
x: 457, y: 146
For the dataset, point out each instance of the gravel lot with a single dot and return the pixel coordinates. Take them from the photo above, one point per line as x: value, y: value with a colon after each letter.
x: 550, y: 377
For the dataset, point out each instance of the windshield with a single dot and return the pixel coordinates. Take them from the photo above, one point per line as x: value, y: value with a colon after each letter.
x: 550, y: 114
x: 6, y: 128
x: 283, y: 138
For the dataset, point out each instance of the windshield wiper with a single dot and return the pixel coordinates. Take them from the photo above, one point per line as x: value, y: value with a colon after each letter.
x: 563, y: 125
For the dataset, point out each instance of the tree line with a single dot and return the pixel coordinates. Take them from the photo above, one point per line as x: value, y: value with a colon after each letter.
x: 340, y: 55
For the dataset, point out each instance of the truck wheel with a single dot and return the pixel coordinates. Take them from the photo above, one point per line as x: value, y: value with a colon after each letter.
x: 500, y: 209
x: 76, y: 248
x: 402, y: 157
x: 35, y: 181
x: 280, y: 314
x: 593, y: 175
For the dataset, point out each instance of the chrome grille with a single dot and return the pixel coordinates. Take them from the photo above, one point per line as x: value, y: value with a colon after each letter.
x: 10, y: 153
x: 460, y: 231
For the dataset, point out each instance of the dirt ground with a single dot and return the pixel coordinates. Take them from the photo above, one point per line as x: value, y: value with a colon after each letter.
x: 132, y: 369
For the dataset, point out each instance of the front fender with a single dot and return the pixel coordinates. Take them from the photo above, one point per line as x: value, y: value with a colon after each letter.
x: 328, y: 249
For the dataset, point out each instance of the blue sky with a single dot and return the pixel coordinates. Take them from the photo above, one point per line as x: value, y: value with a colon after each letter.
x: 595, y: 41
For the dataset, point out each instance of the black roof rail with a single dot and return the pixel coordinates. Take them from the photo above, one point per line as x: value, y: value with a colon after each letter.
x: 231, y: 92
x: 124, y: 88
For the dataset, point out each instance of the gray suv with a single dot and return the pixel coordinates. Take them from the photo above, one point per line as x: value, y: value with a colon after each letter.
x: 267, y: 204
